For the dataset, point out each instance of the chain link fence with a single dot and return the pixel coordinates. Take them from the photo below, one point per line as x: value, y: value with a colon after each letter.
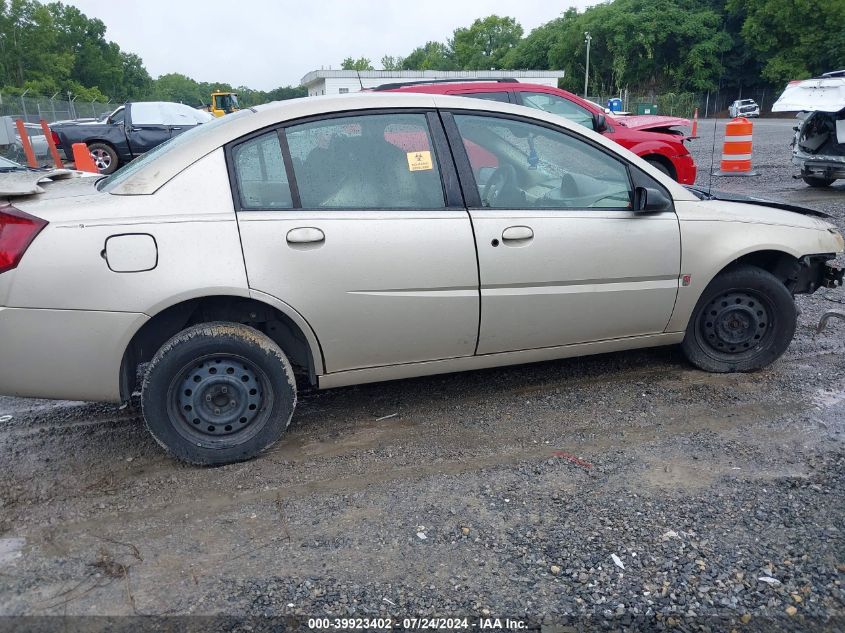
x: 683, y: 104
x: 34, y: 109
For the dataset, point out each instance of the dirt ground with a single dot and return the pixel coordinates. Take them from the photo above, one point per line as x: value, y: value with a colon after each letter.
x: 619, y: 491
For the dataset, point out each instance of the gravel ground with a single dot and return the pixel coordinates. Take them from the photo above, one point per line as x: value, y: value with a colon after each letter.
x: 618, y: 492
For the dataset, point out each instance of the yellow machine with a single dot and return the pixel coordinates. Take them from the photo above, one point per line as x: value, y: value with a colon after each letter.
x: 223, y: 103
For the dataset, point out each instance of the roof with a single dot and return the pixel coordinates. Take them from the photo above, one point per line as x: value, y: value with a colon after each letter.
x: 388, y: 76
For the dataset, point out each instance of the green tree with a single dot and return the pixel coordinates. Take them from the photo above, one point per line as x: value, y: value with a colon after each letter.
x: 432, y: 56
x: 793, y: 39
x: 389, y: 62
x: 362, y: 63
x: 484, y: 45
x: 286, y: 92
x: 532, y: 52
x: 179, y: 88
x: 650, y: 44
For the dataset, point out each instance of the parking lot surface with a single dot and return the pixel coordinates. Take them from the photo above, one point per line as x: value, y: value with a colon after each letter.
x: 623, y: 490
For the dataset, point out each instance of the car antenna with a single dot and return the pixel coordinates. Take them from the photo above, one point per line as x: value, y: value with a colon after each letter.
x: 712, y: 154
x: 359, y: 79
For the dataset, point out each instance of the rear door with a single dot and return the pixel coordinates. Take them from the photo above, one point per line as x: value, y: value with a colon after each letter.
x: 357, y: 222
x: 563, y: 258
x: 145, y: 127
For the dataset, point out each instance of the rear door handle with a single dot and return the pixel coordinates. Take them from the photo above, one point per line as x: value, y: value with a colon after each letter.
x: 517, y: 234
x: 305, y: 235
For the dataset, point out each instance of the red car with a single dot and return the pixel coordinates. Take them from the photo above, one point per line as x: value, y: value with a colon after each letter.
x: 653, y: 138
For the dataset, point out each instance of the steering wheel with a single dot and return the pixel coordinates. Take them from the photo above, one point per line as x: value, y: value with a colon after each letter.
x: 568, y: 186
x: 502, y: 181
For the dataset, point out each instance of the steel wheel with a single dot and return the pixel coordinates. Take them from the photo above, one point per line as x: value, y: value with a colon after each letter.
x: 743, y: 321
x: 218, y: 397
x: 736, y: 325
x: 217, y: 393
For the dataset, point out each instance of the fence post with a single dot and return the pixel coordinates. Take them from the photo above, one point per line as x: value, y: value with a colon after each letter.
x: 23, y: 104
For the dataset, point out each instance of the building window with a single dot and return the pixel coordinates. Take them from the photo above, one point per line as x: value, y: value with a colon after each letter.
x: 343, y: 91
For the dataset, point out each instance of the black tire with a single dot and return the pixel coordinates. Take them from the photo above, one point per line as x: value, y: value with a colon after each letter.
x: 218, y: 393
x: 744, y: 320
x: 105, y: 157
x: 816, y: 181
x: 658, y: 164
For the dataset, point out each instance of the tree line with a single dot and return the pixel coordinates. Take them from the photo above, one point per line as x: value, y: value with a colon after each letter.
x: 656, y: 45
x: 55, y: 49
x: 651, y: 45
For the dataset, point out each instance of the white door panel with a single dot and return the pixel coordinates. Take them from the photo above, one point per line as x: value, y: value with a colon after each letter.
x: 582, y: 276
x: 380, y: 287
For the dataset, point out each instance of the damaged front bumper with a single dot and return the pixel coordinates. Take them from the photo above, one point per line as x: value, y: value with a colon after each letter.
x: 813, y: 272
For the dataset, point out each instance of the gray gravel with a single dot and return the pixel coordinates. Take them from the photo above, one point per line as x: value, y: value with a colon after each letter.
x: 502, y: 493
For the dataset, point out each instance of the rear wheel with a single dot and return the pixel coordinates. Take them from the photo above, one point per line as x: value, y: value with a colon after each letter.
x: 818, y: 181
x: 218, y: 393
x: 744, y: 320
x: 105, y: 157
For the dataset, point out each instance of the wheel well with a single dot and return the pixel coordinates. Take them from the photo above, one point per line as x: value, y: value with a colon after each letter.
x: 100, y: 142
x: 265, y: 318
x: 782, y: 265
x: 658, y: 158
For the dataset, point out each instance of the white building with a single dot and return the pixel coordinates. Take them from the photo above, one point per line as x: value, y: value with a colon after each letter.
x: 332, y: 82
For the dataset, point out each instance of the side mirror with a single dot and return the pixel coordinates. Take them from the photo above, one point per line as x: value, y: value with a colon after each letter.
x: 651, y: 200
x: 599, y: 123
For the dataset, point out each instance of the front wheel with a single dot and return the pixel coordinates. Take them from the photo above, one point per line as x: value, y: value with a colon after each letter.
x: 744, y: 320
x: 218, y: 393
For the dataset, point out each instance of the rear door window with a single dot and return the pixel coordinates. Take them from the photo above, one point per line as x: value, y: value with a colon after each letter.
x: 377, y: 161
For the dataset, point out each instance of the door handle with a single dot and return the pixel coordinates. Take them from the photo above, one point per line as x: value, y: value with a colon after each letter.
x: 517, y: 234
x: 305, y: 235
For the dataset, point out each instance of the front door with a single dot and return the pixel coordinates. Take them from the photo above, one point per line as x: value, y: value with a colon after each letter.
x: 563, y: 258
x: 346, y: 219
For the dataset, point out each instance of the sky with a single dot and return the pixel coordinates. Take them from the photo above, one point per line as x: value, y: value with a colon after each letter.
x: 264, y: 44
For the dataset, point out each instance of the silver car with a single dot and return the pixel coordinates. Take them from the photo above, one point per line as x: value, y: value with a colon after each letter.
x: 361, y: 238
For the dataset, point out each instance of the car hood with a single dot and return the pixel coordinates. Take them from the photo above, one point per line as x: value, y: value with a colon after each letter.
x: 742, y: 208
x: 824, y: 94
x: 649, y: 122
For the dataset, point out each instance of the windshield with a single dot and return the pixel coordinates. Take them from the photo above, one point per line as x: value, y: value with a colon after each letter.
x: 228, y: 103
x: 109, y: 182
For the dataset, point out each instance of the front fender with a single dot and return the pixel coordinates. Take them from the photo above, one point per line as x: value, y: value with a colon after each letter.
x: 710, y: 246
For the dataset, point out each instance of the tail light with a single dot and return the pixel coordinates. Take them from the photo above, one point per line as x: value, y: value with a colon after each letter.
x: 56, y: 140
x: 17, y: 230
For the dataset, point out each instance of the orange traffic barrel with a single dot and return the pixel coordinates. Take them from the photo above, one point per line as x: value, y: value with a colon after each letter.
x: 736, y: 151
x: 83, y: 159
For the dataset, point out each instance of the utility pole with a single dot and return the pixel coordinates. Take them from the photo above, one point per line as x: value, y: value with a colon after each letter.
x: 587, y: 39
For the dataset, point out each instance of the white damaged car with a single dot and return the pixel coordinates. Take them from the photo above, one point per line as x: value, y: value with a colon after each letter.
x: 818, y: 148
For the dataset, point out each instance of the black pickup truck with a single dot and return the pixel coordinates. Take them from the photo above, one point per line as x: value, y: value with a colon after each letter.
x: 128, y: 132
